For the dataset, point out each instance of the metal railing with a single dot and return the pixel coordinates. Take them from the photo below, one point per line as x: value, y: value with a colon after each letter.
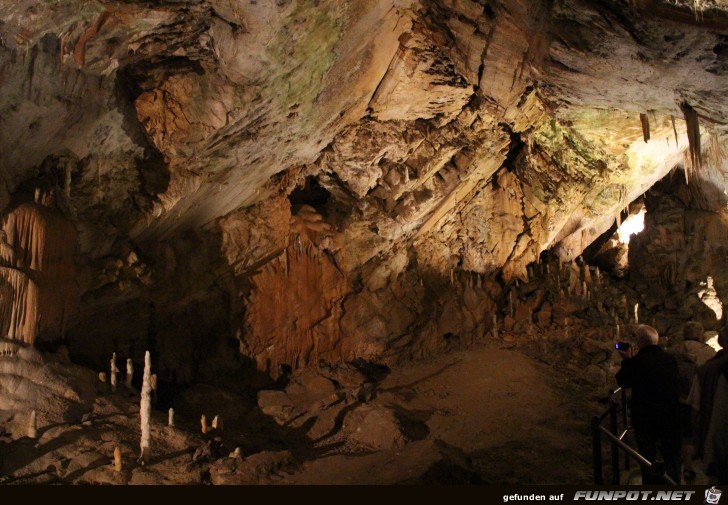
x: 618, y: 405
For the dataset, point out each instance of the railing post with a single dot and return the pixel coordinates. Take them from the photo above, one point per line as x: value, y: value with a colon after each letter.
x: 613, y: 426
x: 597, y: 451
x: 625, y: 424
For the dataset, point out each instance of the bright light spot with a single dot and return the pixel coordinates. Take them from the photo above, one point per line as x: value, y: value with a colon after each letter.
x: 634, y: 224
x: 709, y: 296
x: 713, y: 342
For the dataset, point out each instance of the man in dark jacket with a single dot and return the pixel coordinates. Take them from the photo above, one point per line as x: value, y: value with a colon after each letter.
x: 652, y: 374
x: 703, y: 392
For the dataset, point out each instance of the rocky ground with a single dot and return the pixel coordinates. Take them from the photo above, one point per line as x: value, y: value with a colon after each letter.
x: 489, y: 415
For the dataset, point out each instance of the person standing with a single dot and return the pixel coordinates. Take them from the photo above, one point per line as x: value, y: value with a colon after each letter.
x: 652, y: 374
x: 703, y: 393
x: 716, y: 441
x: 690, y: 353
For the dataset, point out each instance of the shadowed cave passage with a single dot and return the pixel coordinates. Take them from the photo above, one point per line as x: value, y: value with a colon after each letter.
x: 366, y: 238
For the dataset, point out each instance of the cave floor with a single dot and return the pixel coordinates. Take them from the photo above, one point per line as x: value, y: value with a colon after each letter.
x: 489, y: 414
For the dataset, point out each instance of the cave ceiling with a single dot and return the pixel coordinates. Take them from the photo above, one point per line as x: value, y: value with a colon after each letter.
x: 368, y: 136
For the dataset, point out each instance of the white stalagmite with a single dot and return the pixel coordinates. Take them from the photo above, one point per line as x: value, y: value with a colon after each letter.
x: 145, y: 407
x: 170, y: 418
x: 33, y: 426
x: 636, y: 313
x: 129, y: 372
x: 113, y: 371
x: 217, y: 423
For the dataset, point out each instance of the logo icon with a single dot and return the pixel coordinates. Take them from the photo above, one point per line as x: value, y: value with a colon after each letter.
x: 712, y: 495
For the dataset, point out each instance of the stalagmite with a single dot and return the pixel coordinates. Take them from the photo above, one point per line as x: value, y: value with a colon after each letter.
x: 636, y: 313
x: 145, y: 408
x: 587, y: 275
x: 617, y: 334
x: 584, y: 291
x: 117, y: 459
x: 33, y: 426
x: 67, y: 180
x: 112, y: 372
x: 495, y: 325
x: 203, y: 423
x: 599, y: 276
x: 170, y: 417
x: 129, y: 372
x: 217, y: 423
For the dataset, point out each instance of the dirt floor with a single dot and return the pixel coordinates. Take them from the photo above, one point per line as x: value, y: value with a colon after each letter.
x: 486, y: 415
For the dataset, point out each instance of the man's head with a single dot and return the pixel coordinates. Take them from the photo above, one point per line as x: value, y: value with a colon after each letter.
x: 646, y: 335
x: 723, y: 337
x: 693, y: 331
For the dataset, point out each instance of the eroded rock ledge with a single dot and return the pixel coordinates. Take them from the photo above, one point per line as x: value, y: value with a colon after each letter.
x: 281, y: 184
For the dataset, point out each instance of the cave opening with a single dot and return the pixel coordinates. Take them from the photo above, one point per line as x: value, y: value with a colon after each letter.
x: 310, y: 192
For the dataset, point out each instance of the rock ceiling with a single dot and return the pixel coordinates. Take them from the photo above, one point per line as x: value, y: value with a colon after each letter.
x: 312, y: 178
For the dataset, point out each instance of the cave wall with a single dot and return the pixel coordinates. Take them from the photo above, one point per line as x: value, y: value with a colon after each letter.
x: 454, y: 143
x: 677, y: 263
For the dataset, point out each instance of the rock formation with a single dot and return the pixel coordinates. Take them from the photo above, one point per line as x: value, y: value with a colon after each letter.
x: 250, y: 189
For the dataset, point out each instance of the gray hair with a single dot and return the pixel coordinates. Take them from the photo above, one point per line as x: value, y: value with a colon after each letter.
x: 646, y: 335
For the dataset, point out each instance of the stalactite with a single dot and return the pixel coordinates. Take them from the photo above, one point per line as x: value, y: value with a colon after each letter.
x: 645, y: 127
x: 674, y: 130
x: 38, y: 263
x: 693, y: 127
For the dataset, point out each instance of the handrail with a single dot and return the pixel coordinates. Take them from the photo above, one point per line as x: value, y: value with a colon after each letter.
x: 616, y: 440
x: 636, y: 455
